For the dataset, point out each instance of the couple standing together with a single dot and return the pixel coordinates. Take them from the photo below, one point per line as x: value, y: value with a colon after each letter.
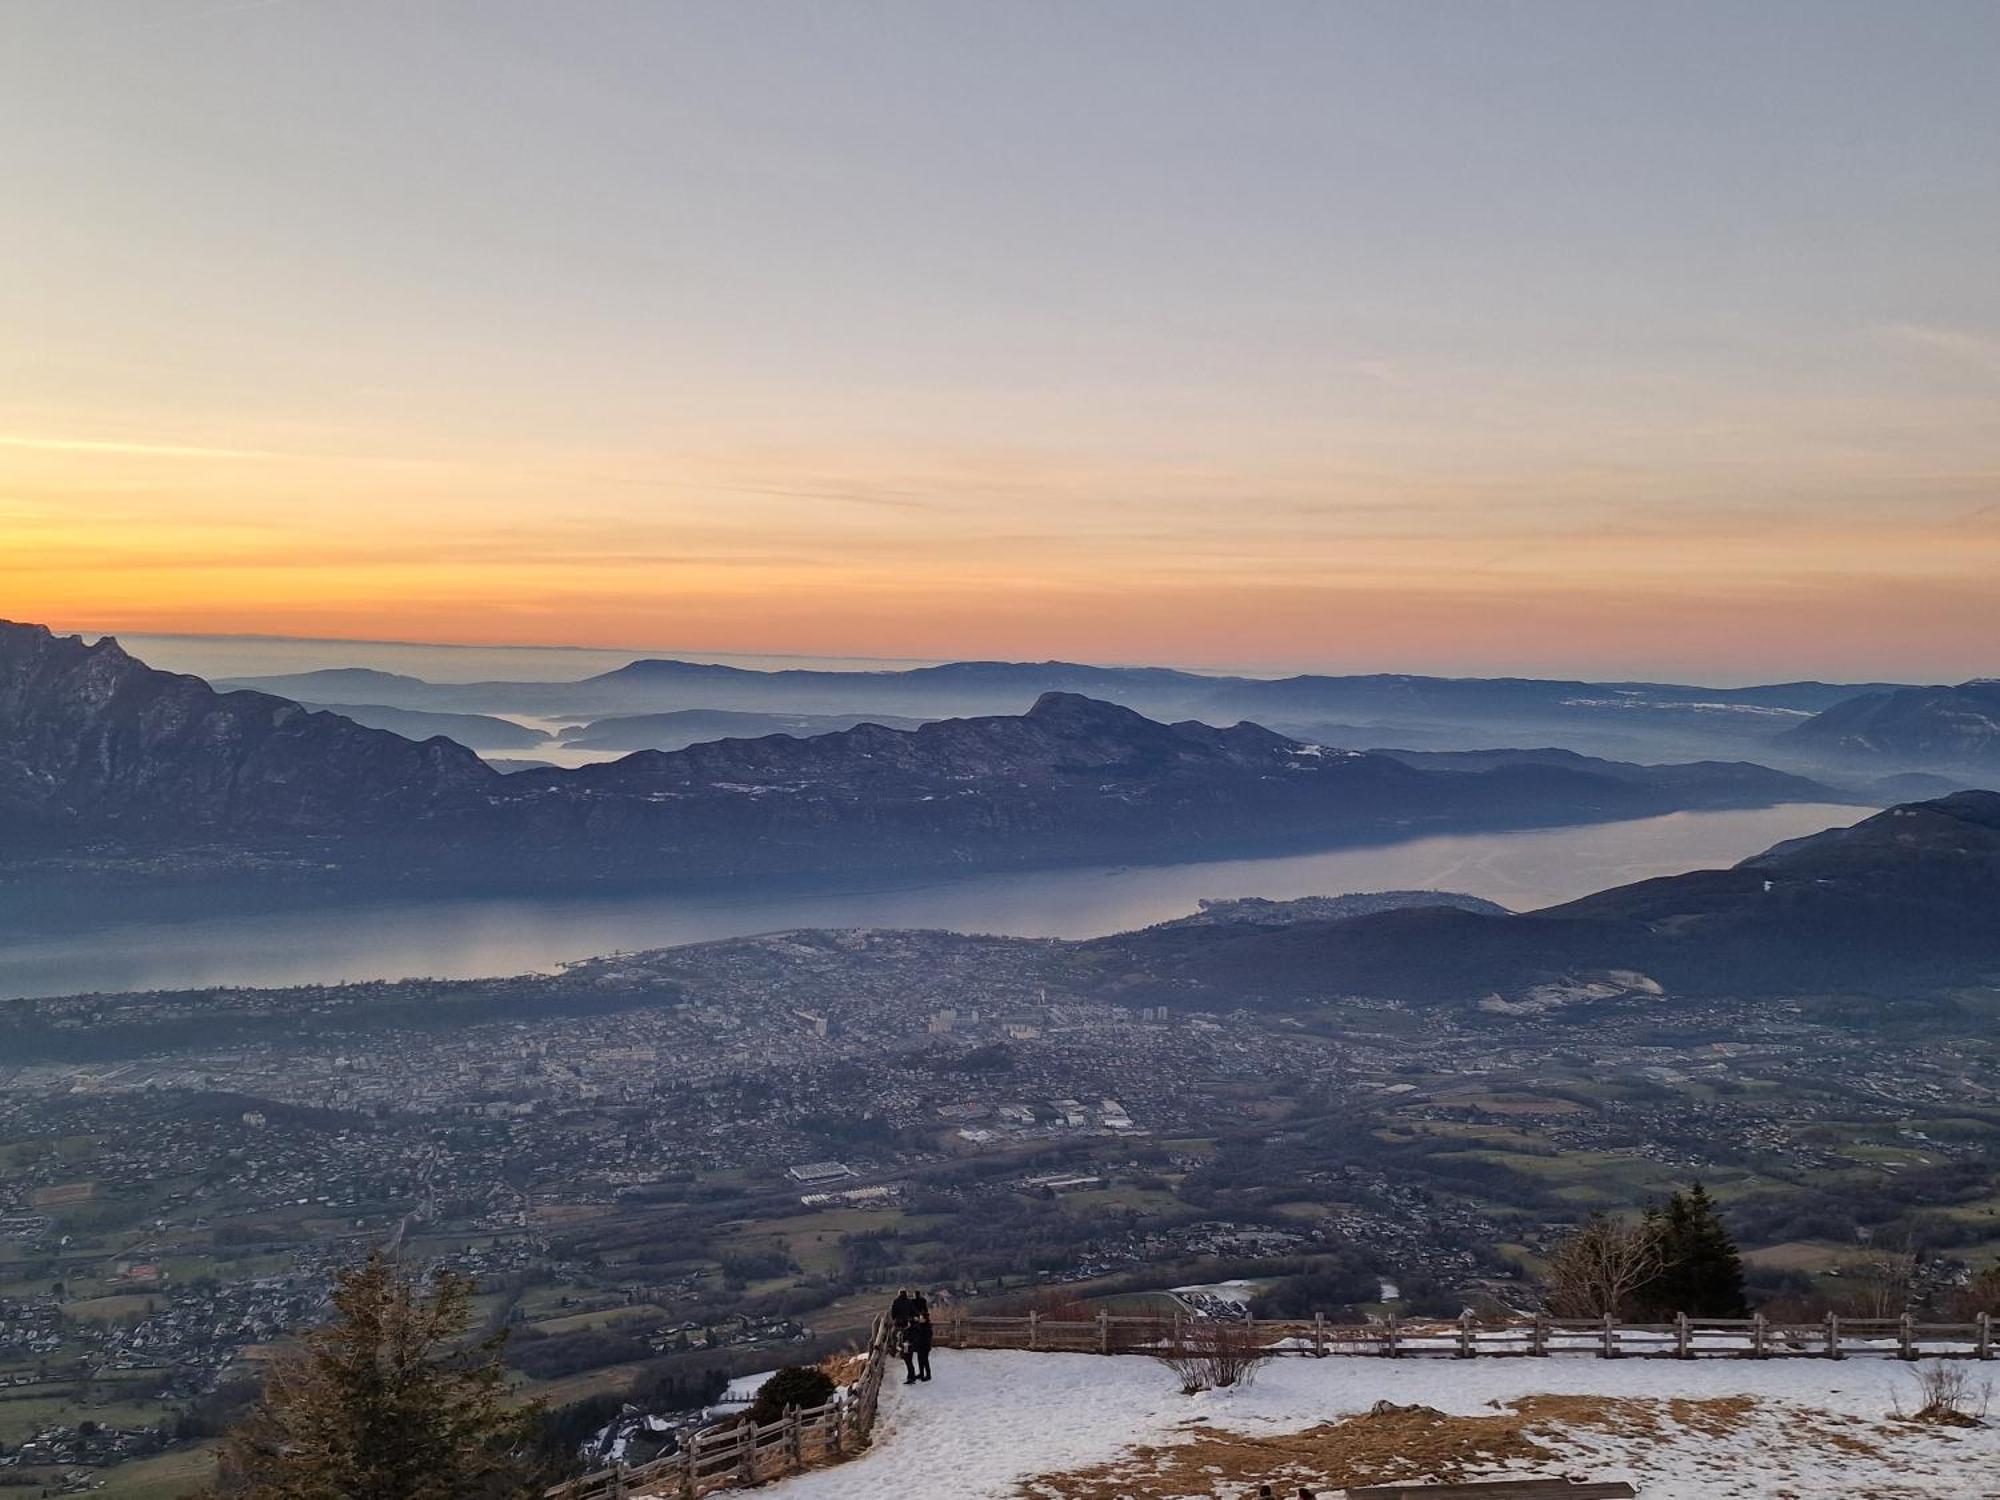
x: 911, y: 1316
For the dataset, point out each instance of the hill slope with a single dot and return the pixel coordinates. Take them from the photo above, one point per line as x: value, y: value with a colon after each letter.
x: 1901, y: 902
x: 475, y: 731
x: 1920, y: 727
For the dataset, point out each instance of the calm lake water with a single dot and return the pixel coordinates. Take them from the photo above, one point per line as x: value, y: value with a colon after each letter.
x: 487, y: 936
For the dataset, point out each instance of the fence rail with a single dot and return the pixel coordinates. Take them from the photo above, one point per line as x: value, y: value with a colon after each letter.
x: 1468, y: 1337
x: 745, y: 1452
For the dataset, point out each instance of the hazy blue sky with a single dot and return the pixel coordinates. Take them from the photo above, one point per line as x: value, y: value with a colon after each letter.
x: 1651, y: 338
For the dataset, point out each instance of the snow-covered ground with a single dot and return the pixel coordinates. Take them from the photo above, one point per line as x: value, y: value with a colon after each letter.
x: 744, y: 1388
x: 1008, y: 1424
x: 1240, y: 1291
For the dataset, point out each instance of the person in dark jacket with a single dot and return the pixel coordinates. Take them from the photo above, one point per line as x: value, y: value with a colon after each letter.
x: 920, y: 1341
x: 901, y: 1311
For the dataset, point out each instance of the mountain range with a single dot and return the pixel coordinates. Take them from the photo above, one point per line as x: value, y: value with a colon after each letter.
x: 1649, y: 720
x: 100, y: 752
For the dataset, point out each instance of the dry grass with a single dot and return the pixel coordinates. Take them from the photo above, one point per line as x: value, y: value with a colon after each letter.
x: 1391, y: 1444
x: 1635, y: 1417
x: 844, y: 1368
x: 1382, y: 1447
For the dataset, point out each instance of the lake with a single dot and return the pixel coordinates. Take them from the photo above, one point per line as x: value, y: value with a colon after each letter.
x: 476, y: 937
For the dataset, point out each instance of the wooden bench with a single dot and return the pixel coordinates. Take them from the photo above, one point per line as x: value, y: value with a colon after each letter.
x: 1497, y: 1489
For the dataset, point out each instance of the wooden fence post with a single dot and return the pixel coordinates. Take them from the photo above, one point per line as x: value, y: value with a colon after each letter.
x: 1906, y: 1331
x: 1465, y: 1333
x: 1538, y: 1339
x: 618, y: 1482
x: 687, y: 1467
x: 1179, y: 1338
x: 1833, y: 1335
x: 1034, y: 1329
x: 1610, y: 1346
x: 1394, y: 1352
x: 1103, y: 1331
x: 795, y: 1438
x: 746, y: 1458
x: 1757, y: 1335
x: 1683, y: 1343
x: 1984, y: 1348
x: 1319, y: 1335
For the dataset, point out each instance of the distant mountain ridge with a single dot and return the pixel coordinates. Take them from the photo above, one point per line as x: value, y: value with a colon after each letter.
x: 691, y: 726
x: 474, y: 731
x: 96, y: 748
x: 1918, y: 727
x: 1377, y: 709
x: 1906, y: 900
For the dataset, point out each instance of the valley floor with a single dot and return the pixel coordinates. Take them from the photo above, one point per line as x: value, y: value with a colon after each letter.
x: 1081, y: 1427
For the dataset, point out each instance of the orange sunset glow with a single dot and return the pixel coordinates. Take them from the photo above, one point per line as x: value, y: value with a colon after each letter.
x: 830, y: 375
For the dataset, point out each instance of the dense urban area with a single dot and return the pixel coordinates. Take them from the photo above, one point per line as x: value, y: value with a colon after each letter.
x: 670, y: 1167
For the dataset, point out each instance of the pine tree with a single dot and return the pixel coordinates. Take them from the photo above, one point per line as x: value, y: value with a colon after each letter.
x: 384, y: 1403
x: 1700, y: 1272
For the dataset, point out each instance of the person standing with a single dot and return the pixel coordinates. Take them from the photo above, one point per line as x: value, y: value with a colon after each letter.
x: 920, y: 1340
x: 901, y: 1312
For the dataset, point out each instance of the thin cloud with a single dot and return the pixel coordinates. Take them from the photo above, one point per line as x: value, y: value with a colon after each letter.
x: 142, y: 450
x: 1954, y: 344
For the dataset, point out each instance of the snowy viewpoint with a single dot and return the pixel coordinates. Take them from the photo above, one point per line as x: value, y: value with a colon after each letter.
x: 1082, y: 1427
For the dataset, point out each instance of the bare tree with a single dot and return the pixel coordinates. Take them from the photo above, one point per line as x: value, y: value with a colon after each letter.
x: 1880, y: 1287
x: 1596, y: 1270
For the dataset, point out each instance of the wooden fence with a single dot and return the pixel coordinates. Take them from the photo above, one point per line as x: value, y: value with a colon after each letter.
x: 745, y: 1452
x: 1468, y: 1337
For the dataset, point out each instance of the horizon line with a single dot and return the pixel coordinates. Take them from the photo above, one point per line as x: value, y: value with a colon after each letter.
x: 639, y: 653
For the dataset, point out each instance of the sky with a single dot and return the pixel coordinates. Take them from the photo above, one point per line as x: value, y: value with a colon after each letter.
x: 1594, y: 338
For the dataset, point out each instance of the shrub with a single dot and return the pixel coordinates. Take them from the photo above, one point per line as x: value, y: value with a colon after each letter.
x: 1210, y: 1355
x: 1947, y: 1396
x: 803, y: 1386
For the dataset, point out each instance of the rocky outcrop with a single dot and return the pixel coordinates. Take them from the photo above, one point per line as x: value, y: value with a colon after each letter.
x: 94, y: 743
